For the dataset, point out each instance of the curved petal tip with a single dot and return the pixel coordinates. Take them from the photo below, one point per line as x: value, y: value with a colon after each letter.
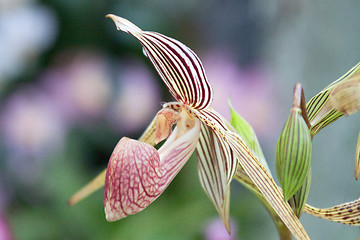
x: 124, y: 24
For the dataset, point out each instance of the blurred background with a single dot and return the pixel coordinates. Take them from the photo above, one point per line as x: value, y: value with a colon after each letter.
x: 71, y: 86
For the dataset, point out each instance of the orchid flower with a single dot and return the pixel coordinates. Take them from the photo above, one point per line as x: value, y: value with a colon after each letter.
x: 137, y: 173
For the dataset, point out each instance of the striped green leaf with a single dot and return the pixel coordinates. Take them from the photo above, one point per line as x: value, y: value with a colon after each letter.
x: 293, y: 151
x: 178, y: 66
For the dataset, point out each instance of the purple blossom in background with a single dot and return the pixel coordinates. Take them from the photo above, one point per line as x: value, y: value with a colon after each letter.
x: 32, y: 128
x: 79, y: 85
x: 137, y: 97
x: 252, y: 85
x: 83, y: 87
x: 215, y: 230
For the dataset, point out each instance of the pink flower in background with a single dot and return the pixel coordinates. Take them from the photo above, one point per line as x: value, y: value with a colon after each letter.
x: 79, y: 84
x: 251, y: 90
x: 137, y: 97
x: 215, y: 230
x: 32, y: 128
x: 5, y: 233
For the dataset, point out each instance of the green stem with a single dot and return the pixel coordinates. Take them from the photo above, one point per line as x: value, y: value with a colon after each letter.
x: 284, y: 232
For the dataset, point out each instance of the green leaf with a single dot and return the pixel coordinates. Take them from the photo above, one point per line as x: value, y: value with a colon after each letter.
x: 293, y: 151
x: 247, y: 133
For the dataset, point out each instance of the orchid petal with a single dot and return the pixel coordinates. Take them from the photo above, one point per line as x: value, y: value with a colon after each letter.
x: 345, y: 97
x: 137, y: 174
x: 129, y: 183
x: 320, y: 108
x: 212, y: 156
x: 346, y: 213
x: 265, y: 183
x: 216, y: 161
x: 177, y: 65
x: 219, y: 125
x: 357, y: 158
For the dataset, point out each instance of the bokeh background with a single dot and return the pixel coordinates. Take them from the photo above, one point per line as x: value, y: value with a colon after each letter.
x: 71, y: 86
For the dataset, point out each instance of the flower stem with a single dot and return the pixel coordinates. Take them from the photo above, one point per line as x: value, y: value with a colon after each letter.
x: 284, y: 232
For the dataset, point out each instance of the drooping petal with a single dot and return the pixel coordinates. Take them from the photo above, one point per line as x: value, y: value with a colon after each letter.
x: 137, y: 174
x: 212, y: 156
x: 216, y: 161
x: 346, y: 213
x: 177, y: 65
x: 218, y: 125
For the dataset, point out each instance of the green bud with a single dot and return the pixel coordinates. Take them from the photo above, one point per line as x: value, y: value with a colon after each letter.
x: 293, y: 151
x: 298, y: 200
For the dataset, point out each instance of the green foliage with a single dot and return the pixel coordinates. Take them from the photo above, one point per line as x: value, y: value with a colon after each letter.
x: 248, y: 135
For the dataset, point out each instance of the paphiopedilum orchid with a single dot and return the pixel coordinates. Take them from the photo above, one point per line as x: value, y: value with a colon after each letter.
x: 137, y: 173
